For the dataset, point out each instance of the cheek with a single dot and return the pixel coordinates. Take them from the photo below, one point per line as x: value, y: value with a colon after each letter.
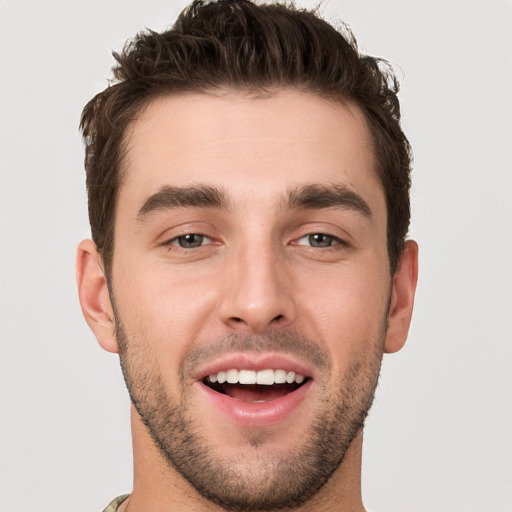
x: 164, y: 307
x: 346, y: 310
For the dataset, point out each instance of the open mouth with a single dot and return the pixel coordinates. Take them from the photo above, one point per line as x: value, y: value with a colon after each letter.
x: 255, y: 386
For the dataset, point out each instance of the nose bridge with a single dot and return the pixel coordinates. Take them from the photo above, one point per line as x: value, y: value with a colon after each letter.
x: 257, y: 294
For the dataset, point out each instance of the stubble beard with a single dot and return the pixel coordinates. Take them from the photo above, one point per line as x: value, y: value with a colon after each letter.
x: 258, y: 482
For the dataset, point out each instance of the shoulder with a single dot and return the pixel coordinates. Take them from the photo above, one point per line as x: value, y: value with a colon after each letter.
x: 112, y: 506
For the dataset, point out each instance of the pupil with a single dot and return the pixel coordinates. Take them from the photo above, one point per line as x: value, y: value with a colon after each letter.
x: 320, y: 240
x: 190, y: 241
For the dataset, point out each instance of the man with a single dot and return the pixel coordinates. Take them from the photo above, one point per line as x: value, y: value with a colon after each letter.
x: 248, y: 187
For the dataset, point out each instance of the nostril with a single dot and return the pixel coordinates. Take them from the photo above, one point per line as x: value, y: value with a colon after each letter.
x: 256, y: 323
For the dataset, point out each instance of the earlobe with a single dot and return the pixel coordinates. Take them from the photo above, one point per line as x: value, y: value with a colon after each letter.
x: 94, y: 297
x: 402, y: 298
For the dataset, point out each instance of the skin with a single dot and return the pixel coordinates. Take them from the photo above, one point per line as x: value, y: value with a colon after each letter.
x: 255, y: 274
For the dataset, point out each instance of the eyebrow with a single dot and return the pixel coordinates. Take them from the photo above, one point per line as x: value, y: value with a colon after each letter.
x: 200, y: 196
x: 206, y: 196
x: 327, y: 196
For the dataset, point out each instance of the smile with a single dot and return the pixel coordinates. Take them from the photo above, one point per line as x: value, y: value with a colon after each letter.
x: 267, y: 377
x: 255, y: 394
x: 255, y: 386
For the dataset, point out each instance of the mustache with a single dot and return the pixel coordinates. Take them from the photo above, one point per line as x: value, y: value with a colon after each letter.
x: 277, y: 341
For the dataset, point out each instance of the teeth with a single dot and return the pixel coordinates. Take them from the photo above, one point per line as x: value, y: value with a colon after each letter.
x: 247, y: 377
x: 279, y: 376
x: 232, y: 376
x: 264, y: 377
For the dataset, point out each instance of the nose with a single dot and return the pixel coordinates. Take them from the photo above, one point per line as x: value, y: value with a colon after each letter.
x: 258, y: 292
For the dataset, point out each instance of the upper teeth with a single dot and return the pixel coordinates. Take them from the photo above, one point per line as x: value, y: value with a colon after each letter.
x: 265, y: 377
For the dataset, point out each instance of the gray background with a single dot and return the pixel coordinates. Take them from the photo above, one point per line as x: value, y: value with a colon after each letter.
x: 439, y: 436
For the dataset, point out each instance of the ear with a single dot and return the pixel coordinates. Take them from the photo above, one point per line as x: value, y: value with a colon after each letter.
x: 93, y: 294
x: 402, y: 298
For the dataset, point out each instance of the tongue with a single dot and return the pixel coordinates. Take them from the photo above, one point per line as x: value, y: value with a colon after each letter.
x: 255, y: 393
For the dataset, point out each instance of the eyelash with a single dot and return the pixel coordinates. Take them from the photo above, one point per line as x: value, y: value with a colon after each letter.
x: 176, y: 241
x: 331, y: 241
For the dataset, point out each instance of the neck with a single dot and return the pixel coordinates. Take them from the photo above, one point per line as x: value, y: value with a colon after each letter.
x: 158, y: 487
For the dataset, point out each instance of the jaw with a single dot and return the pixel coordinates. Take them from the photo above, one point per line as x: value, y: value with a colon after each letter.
x: 158, y: 486
x: 280, y: 448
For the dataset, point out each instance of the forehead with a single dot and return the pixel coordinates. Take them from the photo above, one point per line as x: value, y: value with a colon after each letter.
x: 249, y: 146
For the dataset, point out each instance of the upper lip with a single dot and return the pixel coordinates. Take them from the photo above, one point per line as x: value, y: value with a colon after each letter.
x: 253, y: 361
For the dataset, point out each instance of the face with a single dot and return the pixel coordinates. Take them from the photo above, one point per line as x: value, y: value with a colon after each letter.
x: 251, y: 289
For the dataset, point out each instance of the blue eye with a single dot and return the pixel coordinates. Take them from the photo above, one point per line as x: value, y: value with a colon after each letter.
x: 320, y: 240
x: 190, y: 241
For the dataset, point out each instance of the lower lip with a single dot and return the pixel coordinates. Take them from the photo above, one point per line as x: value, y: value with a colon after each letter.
x: 262, y: 414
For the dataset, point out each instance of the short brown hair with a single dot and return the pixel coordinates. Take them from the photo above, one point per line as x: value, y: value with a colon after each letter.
x: 238, y: 45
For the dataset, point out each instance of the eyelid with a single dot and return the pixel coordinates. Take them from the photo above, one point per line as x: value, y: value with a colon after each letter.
x: 207, y: 240
x: 336, y: 240
x: 171, y: 233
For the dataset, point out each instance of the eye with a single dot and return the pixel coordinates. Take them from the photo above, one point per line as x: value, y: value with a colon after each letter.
x: 320, y: 240
x: 190, y: 241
